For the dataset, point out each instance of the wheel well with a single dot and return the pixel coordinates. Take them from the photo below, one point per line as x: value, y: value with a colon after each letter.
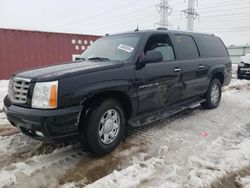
x: 219, y: 76
x: 121, y: 97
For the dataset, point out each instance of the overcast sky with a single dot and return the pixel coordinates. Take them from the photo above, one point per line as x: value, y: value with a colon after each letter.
x: 229, y: 19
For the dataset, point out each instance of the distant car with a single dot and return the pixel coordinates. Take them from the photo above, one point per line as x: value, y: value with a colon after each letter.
x: 131, y: 78
x: 244, y: 67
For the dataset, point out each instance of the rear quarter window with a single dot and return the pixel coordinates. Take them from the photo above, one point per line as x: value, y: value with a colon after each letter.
x: 213, y: 46
x: 187, y: 46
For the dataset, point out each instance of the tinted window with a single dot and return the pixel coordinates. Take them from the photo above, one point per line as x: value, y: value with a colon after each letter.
x: 213, y: 46
x: 187, y: 46
x: 161, y: 43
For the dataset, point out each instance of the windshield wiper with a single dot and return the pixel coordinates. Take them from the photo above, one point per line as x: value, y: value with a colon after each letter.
x: 79, y: 59
x: 99, y: 58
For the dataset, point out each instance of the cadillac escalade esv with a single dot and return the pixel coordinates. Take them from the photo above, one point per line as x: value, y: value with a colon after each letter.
x: 132, y: 78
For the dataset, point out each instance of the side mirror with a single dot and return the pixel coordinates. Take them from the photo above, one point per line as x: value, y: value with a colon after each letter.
x: 152, y: 57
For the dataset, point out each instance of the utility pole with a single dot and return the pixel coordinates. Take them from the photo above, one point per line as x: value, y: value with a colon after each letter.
x: 164, y: 10
x: 191, y: 14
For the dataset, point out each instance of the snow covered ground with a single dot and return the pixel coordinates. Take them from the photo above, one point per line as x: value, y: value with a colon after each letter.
x: 196, y: 148
x: 3, y: 90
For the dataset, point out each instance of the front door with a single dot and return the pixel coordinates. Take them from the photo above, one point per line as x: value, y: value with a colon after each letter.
x: 159, y: 84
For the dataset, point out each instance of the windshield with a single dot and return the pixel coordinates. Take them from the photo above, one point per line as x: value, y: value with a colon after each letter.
x: 114, y: 48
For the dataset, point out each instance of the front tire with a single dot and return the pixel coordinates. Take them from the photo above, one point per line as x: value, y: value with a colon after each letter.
x: 105, y: 127
x: 213, y: 95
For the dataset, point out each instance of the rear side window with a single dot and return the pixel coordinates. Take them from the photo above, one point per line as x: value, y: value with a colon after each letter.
x: 213, y: 46
x: 187, y: 46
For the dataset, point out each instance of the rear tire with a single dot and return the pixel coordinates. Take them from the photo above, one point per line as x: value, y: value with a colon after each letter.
x: 213, y: 95
x: 104, y: 127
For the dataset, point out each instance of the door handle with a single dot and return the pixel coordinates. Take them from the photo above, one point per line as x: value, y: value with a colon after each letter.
x: 200, y: 66
x: 177, y: 69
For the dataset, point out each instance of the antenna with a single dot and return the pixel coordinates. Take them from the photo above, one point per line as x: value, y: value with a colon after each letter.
x: 137, y: 28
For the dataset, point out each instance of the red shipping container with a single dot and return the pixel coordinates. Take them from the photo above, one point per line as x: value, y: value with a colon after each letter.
x: 21, y: 49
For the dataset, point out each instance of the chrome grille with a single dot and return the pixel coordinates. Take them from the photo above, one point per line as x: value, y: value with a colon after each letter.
x: 18, y: 90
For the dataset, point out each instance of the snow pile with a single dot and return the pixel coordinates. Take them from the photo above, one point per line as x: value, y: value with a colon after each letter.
x: 10, y: 175
x: 228, y: 153
x: 7, y: 178
x: 244, y: 181
x: 218, y: 162
x: 238, y: 84
x: 131, y: 176
x: 3, y: 91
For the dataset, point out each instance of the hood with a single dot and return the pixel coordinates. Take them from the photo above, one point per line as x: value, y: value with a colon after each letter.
x: 55, y: 72
x: 245, y: 59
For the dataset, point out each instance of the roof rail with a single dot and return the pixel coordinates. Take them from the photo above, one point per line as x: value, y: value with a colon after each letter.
x: 162, y: 28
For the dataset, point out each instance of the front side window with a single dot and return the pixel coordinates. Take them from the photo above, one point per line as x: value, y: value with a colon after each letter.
x: 187, y: 46
x: 113, y: 48
x: 161, y: 43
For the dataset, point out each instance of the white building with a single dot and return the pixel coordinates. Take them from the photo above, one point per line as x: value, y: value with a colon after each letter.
x: 237, y: 51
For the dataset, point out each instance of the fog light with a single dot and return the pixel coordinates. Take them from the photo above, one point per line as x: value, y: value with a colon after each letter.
x: 38, y: 133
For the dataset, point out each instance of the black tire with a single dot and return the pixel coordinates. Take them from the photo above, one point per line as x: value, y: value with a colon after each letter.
x: 209, y: 103
x: 90, y: 132
x: 239, y: 76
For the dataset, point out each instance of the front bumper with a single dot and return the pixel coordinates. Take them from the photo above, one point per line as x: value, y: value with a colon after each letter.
x: 243, y: 72
x: 50, y: 126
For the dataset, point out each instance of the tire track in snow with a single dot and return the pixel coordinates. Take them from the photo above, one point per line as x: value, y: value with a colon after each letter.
x: 91, y: 168
x: 16, y: 173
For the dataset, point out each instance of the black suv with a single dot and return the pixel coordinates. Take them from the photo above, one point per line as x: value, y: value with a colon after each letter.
x: 131, y: 78
x: 244, y: 67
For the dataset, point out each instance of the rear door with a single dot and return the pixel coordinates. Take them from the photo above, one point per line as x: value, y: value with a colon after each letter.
x: 158, y: 84
x: 193, y: 67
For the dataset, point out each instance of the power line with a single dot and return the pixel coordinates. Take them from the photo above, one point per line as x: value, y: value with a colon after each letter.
x: 228, y: 31
x: 226, y: 15
x: 232, y: 15
x: 220, y: 5
x: 110, y: 23
x: 229, y: 8
x: 101, y: 21
x: 103, y: 13
x: 120, y: 21
x: 144, y: 14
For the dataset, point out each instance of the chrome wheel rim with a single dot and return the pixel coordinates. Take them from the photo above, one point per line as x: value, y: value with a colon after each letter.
x: 109, y: 126
x: 215, y: 94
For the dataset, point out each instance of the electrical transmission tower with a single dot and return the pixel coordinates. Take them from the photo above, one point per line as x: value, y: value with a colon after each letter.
x: 164, y: 10
x: 191, y: 14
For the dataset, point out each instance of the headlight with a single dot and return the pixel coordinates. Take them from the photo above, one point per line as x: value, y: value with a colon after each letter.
x: 45, y: 95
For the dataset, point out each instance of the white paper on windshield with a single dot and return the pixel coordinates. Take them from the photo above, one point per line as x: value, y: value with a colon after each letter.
x: 125, y: 47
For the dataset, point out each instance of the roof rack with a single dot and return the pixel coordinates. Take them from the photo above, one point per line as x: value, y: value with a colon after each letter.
x: 162, y: 28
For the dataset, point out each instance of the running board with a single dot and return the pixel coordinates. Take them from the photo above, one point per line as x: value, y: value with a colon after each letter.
x: 145, y: 119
